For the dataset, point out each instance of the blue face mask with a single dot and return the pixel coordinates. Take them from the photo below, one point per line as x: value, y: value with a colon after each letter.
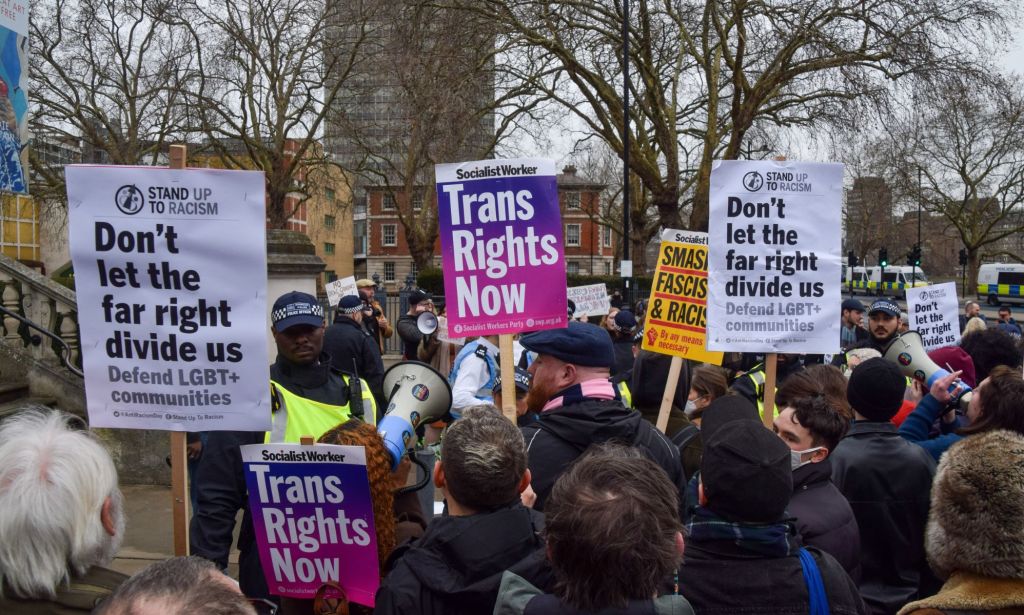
x: 794, y: 457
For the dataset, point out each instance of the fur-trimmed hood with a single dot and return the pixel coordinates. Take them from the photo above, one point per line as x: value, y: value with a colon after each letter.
x: 977, y: 506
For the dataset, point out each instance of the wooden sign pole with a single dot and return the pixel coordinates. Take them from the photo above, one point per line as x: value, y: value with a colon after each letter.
x: 179, y: 456
x: 670, y: 392
x: 770, y: 371
x: 506, y: 354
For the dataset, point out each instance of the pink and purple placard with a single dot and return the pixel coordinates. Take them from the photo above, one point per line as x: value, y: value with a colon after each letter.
x: 313, y: 518
x: 501, y: 246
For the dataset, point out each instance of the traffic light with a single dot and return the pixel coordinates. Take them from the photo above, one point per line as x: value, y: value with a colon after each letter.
x: 963, y: 257
x: 851, y: 259
x: 883, y: 257
x: 914, y: 256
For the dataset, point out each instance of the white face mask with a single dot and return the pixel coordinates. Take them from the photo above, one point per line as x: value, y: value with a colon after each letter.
x: 794, y: 457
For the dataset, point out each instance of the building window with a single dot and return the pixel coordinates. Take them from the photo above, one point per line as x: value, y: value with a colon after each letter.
x: 388, y: 235
x: 606, y: 236
x: 329, y: 249
x: 330, y: 194
x: 417, y: 199
x: 389, y: 272
x: 608, y: 268
x: 329, y: 222
x: 414, y: 270
x: 572, y: 235
x: 572, y: 268
x: 330, y: 276
x: 572, y: 200
x: 389, y: 201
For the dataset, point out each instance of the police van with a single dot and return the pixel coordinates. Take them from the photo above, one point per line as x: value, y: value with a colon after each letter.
x: 1001, y: 282
x: 895, y: 281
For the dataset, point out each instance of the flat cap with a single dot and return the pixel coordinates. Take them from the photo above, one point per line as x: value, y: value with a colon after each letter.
x: 853, y: 304
x: 579, y: 344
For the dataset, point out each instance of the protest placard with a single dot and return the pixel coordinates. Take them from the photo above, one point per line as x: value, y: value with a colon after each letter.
x: 677, y: 309
x: 935, y: 314
x: 774, y: 258
x: 501, y: 245
x: 171, y: 275
x: 313, y: 518
x: 442, y: 333
x: 14, y: 81
x: 591, y: 300
x: 339, y: 288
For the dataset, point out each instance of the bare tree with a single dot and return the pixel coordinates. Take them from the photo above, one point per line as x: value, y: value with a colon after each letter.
x: 704, y: 73
x: 107, y: 75
x: 447, y: 102
x: 266, y: 78
x: 963, y: 157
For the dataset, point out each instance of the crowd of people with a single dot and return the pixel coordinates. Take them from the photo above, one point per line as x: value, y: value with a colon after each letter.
x: 871, y: 493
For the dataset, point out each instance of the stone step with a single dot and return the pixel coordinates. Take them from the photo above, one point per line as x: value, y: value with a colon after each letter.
x: 8, y: 408
x: 10, y: 391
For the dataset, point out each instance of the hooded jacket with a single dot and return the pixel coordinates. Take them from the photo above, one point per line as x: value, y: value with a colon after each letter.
x: 824, y: 518
x: 519, y: 597
x: 561, y: 435
x: 975, y: 538
x: 456, y: 566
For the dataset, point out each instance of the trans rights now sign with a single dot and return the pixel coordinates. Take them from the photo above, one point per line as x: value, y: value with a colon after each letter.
x: 313, y: 518
x: 501, y: 246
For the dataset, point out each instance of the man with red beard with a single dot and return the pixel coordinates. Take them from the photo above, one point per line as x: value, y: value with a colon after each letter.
x: 578, y: 407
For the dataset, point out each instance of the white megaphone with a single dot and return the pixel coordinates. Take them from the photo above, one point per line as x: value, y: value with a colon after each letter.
x: 416, y: 393
x: 907, y: 351
x: 426, y: 323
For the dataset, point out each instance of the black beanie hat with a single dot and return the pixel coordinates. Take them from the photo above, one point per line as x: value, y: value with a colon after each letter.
x: 876, y: 389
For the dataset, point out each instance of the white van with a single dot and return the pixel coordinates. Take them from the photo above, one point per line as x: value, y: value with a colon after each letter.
x: 1001, y: 282
x: 896, y: 280
x: 857, y: 280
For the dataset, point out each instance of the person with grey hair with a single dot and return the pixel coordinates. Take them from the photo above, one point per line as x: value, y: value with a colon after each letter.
x: 456, y: 566
x: 61, y: 515
x: 178, y: 586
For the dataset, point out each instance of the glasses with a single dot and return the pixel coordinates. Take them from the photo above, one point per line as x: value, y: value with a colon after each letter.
x: 263, y: 606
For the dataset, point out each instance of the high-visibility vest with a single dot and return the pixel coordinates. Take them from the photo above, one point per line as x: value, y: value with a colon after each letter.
x: 625, y: 393
x: 757, y: 377
x: 295, y: 416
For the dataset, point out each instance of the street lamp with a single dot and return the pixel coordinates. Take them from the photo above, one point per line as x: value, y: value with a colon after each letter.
x: 625, y: 147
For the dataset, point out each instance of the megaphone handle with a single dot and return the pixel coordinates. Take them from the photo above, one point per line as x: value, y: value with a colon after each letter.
x: 421, y: 483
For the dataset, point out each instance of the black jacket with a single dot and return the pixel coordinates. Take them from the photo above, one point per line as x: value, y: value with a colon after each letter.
x: 887, y: 481
x: 221, y: 489
x: 824, y: 518
x: 744, y: 385
x: 456, y: 566
x: 623, y: 357
x: 346, y: 341
x: 410, y: 334
x: 561, y: 435
x: 839, y: 359
x: 720, y: 578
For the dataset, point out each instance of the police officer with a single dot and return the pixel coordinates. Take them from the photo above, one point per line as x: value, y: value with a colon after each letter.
x: 474, y: 372
x: 308, y: 397
x: 751, y: 385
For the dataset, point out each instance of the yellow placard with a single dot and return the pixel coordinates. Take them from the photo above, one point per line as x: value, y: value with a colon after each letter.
x: 676, y: 321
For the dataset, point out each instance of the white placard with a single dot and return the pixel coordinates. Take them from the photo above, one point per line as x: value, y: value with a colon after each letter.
x: 171, y: 277
x: 774, y: 257
x: 14, y: 16
x: 591, y: 300
x: 442, y: 333
x: 935, y: 314
x: 339, y: 288
x: 625, y: 269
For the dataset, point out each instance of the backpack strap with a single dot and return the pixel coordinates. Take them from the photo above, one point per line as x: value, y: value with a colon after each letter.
x: 815, y: 587
x: 684, y: 436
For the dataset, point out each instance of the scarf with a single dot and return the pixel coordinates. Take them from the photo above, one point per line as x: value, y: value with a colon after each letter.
x: 770, y: 540
x: 597, y: 388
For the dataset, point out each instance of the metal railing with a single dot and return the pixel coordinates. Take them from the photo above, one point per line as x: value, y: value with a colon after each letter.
x: 32, y: 302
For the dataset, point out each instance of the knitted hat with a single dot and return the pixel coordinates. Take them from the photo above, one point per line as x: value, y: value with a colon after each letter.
x: 745, y: 468
x: 977, y: 506
x: 955, y: 358
x: 876, y: 389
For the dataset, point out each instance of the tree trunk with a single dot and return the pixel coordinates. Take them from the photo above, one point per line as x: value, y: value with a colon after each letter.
x: 701, y: 198
x: 973, y: 263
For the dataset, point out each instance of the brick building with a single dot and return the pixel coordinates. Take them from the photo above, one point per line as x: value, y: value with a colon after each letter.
x: 381, y: 248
